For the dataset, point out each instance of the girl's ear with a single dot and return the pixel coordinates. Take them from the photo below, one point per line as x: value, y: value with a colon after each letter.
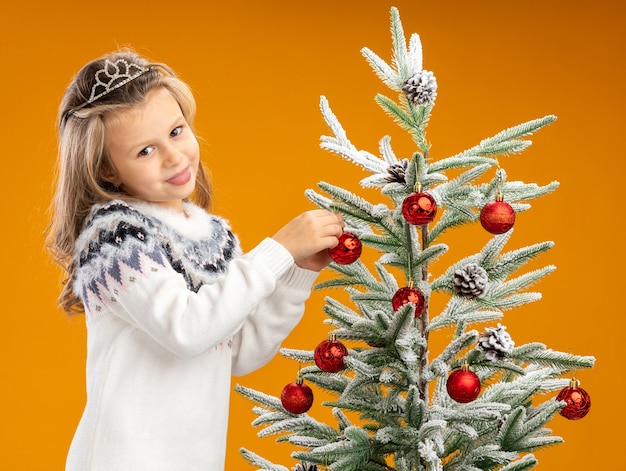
x: 110, y: 175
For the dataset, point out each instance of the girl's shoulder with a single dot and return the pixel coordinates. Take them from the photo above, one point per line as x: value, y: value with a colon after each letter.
x: 112, y: 213
x: 114, y: 223
x: 196, y: 244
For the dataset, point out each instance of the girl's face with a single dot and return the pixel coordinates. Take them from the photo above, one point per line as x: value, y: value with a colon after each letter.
x: 154, y: 153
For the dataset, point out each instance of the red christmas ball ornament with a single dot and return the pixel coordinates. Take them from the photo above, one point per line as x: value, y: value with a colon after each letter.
x: 297, y: 397
x: 348, y: 249
x: 577, y: 399
x: 419, y: 208
x: 497, y: 216
x: 463, y: 385
x: 409, y: 294
x: 329, y: 355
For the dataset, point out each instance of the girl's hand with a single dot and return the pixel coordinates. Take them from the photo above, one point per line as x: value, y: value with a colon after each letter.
x: 309, y: 236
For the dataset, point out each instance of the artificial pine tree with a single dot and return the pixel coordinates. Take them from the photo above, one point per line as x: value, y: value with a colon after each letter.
x: 479, y: 404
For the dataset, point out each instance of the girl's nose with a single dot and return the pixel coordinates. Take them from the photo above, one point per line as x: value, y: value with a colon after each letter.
x: 173, y: 156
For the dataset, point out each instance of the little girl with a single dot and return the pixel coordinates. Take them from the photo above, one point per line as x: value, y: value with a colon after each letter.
x: 172, y: 306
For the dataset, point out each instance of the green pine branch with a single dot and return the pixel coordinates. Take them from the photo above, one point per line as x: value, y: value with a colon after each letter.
x: 523, y: 432
x: 496, y: 145
x: 538, y: 354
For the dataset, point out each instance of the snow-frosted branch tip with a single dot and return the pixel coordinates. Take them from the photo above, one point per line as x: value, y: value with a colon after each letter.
x: 320, y: 200
x: 382, y: 70
x: 257, y: 460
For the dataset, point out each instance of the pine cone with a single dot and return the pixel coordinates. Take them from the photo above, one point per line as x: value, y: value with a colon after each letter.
x: 421, y: 89
x: 305, y: 467
x: 496, y: 343
x: 397, y: 172
x: 470, y: 281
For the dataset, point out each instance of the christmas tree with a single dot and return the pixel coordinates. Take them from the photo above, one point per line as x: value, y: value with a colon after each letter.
x: 481, y: 403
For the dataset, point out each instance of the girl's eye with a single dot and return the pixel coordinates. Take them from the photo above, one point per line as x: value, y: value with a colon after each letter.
x: 146, y: 151
x: 176, y: 131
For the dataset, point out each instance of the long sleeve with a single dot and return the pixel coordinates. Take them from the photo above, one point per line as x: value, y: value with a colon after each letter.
x: 134, y: 275
x: 262, y: 333
x: 188, y: 323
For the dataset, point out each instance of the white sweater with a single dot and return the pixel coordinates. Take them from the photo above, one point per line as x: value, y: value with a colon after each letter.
x: 172, y: 310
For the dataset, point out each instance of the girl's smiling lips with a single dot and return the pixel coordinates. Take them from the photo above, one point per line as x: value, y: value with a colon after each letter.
x: 180, y: 178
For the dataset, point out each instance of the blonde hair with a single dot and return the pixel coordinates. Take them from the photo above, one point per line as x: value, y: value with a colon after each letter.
x: 83, y: 157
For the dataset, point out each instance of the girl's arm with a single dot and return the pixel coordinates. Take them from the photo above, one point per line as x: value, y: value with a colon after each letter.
x: 264, y: 330
x: 128, y: 275
x: 142, y: 288
x: 307, y: 238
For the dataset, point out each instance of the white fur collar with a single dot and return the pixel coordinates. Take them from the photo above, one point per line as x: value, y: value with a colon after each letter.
x: 192, y: 224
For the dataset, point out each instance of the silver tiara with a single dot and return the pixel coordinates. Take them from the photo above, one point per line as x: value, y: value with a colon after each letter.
x: 114, y: 75
x: 111, y: 77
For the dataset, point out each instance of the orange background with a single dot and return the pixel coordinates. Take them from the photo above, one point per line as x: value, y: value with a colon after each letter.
x: 258, y: 69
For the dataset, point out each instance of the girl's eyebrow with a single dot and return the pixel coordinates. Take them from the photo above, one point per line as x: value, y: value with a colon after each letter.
x: 178, y: 120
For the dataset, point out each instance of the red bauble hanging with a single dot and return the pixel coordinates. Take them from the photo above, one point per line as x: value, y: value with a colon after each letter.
x: 297, y: 397
x: 497, y: 216
x: 419, y: 208
x: 329, y: 355
x: 463, y: 385
x: 577, y: 399
x: 348, y: 249
x: 409, y: 294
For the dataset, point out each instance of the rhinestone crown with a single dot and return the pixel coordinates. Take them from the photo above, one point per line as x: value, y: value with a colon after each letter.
x: 114, y: 75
